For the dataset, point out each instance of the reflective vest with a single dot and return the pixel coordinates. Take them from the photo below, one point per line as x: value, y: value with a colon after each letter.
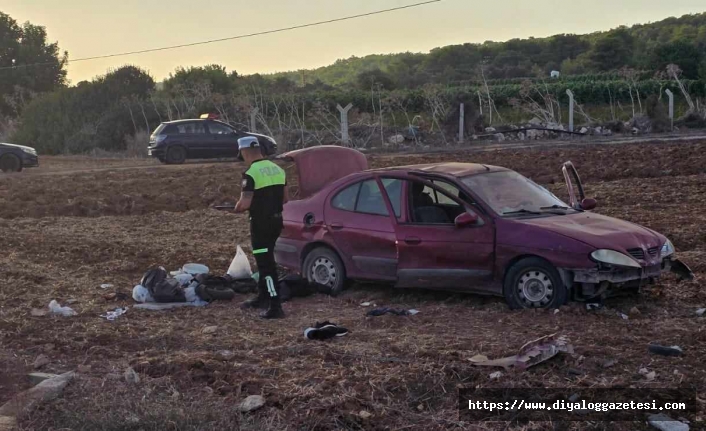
x: 266, y: 174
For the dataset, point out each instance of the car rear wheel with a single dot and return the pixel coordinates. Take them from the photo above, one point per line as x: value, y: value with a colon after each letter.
x: 323, y: 266
x: 534, y: 283
x: 10, y: 163
x: 176, y: 155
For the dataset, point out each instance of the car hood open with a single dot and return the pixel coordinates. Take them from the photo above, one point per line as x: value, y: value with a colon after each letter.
x: 599, y: 231
x: 319, y: 166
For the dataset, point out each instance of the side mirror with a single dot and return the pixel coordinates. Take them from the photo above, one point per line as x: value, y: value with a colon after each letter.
x: 466, y: 219
x: 588, y: 204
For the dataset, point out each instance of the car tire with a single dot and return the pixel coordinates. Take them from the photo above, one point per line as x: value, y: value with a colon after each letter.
x: 176, y: 155
x: 10, y: 163
x: 323, y: 266
x: 534, y: 283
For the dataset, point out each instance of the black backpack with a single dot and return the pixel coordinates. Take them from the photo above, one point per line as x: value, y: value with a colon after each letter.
x: 153, y: 277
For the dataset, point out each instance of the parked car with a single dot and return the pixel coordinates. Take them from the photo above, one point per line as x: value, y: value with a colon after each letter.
x: 174, y: 142
x: 462, y: 227
x: 14, y: 158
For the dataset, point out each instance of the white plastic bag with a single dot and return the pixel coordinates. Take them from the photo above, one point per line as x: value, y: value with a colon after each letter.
x: 56, y: 309
x: 141, y: 294
x: 240, y: 266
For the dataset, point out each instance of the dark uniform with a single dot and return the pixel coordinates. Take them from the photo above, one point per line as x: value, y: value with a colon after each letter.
x: 267, y: 182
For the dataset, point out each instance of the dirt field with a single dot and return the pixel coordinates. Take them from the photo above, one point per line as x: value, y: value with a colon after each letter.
x: 76, y: 223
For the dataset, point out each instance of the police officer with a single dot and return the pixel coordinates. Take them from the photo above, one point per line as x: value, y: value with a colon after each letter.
x: 263, y: 193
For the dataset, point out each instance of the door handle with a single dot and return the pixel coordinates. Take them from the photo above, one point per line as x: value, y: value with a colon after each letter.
x: 336, y: 226
x: 413, y: 240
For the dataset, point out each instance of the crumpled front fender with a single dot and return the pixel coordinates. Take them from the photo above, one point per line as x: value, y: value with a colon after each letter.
x: 682, y: 271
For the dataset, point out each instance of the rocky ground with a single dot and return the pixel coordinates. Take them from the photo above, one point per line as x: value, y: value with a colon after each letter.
x: 77, y: 223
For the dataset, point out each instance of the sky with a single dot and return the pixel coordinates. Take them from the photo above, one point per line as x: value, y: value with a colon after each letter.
x: 88, y: 28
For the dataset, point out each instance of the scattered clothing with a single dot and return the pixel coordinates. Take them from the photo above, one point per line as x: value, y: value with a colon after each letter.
x: 324, y: 331
x: 112, y: 315
x: 385, y: 310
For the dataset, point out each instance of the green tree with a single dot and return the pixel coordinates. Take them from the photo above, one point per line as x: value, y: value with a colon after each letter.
x: 680, y: 52
x: 38, y: 65
x: 214, y: 75
x: 368, y: 79
x: 612, y: 51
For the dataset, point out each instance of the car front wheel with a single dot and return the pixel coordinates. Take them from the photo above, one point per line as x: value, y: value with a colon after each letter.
x: 534, y: 283
x: 323, y: 266
x: 176, y: 155
x: 10, y: 163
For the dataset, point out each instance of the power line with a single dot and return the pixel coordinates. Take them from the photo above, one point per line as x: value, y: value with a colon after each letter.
x: 243, y: 36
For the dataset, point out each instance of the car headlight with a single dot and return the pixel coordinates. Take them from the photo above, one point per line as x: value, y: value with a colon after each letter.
x: 29, y: 150
x: 614, y: 258
x: 667, y: 249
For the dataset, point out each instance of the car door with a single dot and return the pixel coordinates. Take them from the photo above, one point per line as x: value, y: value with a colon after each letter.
x: 224, y: 139
x: 358, y: 218
x: 194, y: 137
x: 432, y: 251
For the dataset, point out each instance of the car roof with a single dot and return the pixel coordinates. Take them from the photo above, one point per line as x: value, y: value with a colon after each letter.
x: 453, y: 169
x: 191, y: 120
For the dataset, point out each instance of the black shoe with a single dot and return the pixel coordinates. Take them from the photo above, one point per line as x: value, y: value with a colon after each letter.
x: 273, y: 313
x: 257, y: 302
x: 325, y: 330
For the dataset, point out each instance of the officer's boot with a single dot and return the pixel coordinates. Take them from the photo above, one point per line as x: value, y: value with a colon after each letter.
x: 260, y: 301
x: 275, y: 310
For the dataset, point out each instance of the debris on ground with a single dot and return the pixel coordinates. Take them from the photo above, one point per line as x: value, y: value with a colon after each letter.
x: 26, y: 401
x: 623, y: 316
x: 363, y: 414
x: 664, y: 423
x: 700, y: 311
x: 106, y: 286
x: 609, y: 363
x: 169, y: 306
x: 634, y: 311
x: 225, y: 355
x: 324, y: 331
x: 664, y: 350
x: 57, y: 310
x: 71, y: 301
x: 209, y: 330
x: 365, y: 304
x: 385, y: 310
x: 478, y: 358
x: 112, y: 315
x: 593, y: 306
x: 496, y: 375
x: 36, y: 378
x: 39, y: 312
x: 131, y: 376
x: 41, y: 361
x: 251, y: 403
x: 649, y: 375
x: 533, y: 353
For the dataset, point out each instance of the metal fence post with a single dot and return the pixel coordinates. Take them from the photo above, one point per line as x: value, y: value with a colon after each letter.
x: 345, y: 138
x: 571, y: 110
x: 671, y: 107
x: 253, y: 120
x: 461, y: 119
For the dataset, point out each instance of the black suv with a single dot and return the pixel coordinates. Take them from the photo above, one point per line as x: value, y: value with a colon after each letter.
x: 206, y: 138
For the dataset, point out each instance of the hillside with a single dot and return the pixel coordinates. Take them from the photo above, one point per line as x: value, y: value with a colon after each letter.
x: 643, y: 46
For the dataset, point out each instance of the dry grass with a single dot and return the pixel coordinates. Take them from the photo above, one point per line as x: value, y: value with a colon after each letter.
x: 404, y: 371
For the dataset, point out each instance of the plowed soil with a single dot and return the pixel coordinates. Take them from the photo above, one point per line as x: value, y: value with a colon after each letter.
x: 74, y: 223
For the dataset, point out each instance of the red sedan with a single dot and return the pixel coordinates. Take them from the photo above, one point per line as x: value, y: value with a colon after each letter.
x: 462, y: 227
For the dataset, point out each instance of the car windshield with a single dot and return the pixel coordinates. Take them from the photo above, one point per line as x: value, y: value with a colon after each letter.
x: 509, y: 193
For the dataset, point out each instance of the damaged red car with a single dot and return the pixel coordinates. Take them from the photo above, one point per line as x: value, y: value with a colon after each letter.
x: 461, y: 227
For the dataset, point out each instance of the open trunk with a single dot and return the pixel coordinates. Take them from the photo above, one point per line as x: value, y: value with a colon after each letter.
x: 318, y: 166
